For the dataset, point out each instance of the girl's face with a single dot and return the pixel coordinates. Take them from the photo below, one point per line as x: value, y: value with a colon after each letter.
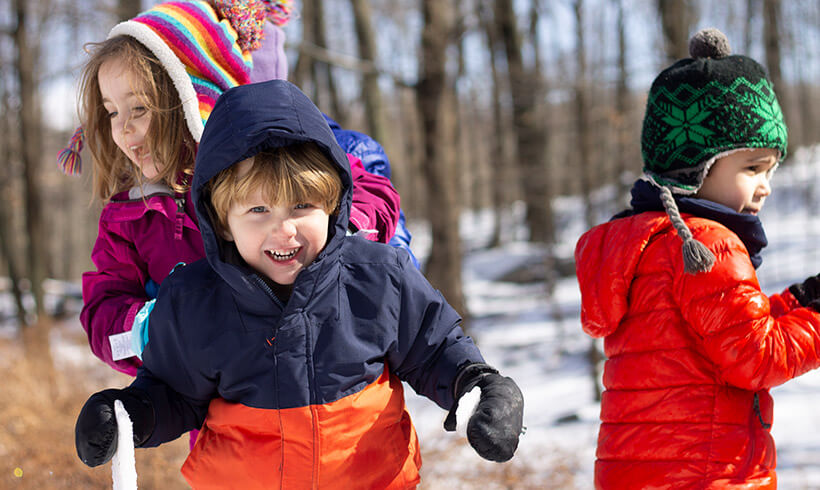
x: 129, y: 117
x: 740, y: 180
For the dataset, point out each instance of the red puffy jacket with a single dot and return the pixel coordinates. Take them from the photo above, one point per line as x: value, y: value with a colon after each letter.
x: 690, y: 358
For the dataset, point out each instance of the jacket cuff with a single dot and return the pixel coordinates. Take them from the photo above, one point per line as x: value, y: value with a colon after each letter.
x: 360, y: 224
x: 128, y: 324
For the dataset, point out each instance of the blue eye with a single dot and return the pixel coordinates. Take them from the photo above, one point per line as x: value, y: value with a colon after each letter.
x: 257, y: 209
x: 111, y: 115
x: 139, y: 111
x: 303, y: 205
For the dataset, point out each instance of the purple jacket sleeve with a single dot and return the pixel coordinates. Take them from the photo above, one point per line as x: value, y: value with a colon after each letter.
x: 113, y: 294
x: 375, y: 203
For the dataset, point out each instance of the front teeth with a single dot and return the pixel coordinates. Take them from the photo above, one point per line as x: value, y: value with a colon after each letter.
x: 282, y: 256
x: 138, y: 151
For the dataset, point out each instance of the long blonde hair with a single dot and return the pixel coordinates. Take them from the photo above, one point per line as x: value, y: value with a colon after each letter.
x: 169, y: 139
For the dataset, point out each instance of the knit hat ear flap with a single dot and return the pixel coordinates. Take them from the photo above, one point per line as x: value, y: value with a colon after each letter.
x: 696, y: 256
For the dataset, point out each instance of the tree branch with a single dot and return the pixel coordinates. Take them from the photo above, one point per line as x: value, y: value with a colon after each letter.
x: 348, y: 62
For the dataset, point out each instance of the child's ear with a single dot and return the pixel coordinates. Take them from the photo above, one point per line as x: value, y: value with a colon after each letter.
x: 226, y: 234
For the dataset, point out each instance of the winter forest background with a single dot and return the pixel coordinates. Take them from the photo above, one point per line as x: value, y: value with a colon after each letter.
x: 511, y: 126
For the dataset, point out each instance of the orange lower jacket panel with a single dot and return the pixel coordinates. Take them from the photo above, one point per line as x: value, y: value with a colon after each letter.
x: 365, y: 440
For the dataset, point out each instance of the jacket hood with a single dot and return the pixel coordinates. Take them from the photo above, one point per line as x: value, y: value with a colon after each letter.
x: 606, y: 259
x: 245, y: 121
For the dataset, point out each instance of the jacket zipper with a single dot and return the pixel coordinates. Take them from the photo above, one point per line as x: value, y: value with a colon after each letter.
x: 759, y: 414
x: 270, y: 341
x: 313, y: 410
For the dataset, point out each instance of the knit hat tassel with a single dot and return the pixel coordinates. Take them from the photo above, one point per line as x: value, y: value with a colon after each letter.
x: 69, y: 159
x: 696, y: 256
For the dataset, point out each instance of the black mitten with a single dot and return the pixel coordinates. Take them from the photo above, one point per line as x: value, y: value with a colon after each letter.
x: 95, y: 434
x: 807, y: 292
x: 495, y: 426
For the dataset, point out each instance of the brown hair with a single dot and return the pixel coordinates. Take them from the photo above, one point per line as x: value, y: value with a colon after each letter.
x: 300, y: 173
x: 169, y: 140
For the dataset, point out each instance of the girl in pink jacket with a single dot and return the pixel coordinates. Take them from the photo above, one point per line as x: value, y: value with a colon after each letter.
x: 145, y: 95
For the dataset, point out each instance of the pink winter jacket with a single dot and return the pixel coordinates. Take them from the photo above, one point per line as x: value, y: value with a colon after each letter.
x: 141, y: 239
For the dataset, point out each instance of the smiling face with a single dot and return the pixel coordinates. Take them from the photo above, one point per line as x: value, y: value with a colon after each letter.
x: 741, y: 180
x: 276, y: 240
x: 129, y: 117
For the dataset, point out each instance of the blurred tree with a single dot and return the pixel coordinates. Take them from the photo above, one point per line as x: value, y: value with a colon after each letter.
x: 371, y: 93
x: 27, y: 54
x: 527, y: 93
x: 677, y: 18
x: 583, y: 122
x: 323, y: 72
x: 772, y: 36
x: 7, y: 248
x: 584, y: 129
x: 748, y: 31
x: 771, y: 40
x: 128, y: 9
x: 312, y: 72
x: 624, y: 158
x: 499, y: 164
x: 443, y: 267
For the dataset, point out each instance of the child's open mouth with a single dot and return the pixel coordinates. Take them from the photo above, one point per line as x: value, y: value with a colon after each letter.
x: 282, y: 256
x: 139, y: 152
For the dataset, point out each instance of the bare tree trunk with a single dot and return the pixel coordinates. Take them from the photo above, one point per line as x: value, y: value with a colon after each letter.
x: 622, y: 111
x: 583, y: 129
x: 444, y: 264
x: 35, y: 337
x: 371, y: 93
x: 128, y: 9
x: 772, y: 32
x: 582, y: 116
x: 6, y: 246
x: 527, y: 92
x: 748, y: 33
x: 302, y: 72
x: 339, y: 112
x: 677, y: 17
x: 30, y: 136
x: 771, y: 40
x: 499, y: 166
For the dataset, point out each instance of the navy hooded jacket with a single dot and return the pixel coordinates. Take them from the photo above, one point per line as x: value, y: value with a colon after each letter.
x: 311, y: 384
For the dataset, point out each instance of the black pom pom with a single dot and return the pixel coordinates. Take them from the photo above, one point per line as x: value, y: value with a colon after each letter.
x: 709, y: 43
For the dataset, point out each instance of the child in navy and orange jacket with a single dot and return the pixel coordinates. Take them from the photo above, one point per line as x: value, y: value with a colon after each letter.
x: 692, y: 343
x: 146, y: 93
x: 291, y: 341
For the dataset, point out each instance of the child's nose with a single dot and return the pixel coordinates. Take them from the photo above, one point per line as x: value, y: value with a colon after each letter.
x: 284, y: 228
x: 765, y: 187
x: 128, y: 125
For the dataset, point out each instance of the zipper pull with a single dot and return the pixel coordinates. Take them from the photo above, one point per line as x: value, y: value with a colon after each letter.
x: 180, y: 218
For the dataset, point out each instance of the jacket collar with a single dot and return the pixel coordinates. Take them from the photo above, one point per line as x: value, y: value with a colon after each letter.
x: 646, y: 197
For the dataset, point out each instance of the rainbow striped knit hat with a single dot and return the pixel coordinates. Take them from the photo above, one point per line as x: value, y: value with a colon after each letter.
x: 205, y: 46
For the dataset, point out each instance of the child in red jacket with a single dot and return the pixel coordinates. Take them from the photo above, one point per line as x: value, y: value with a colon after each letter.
x: 692, y: 343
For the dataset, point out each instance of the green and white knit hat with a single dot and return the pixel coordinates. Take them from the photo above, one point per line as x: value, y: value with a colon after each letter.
x: 698, y: 110
x: 704, y: 106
